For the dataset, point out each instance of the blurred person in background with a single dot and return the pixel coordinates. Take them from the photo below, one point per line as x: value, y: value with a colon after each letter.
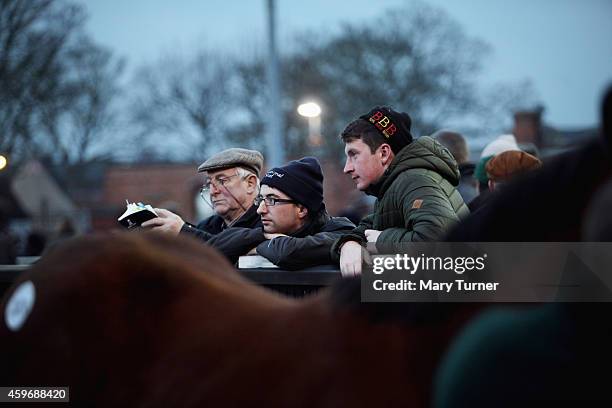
x: 500, y: 144
x: 548, y: 205
x: 509, y: 165
x: 458, y: 147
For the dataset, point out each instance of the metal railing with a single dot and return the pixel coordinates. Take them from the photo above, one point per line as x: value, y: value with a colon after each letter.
x: 291, y: 283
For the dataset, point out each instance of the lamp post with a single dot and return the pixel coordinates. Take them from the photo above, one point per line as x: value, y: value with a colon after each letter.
x: 312, y: 111
x: 275, y: 153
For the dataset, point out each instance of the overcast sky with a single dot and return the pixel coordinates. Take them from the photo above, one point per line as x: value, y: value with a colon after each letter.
x: 563, y: 46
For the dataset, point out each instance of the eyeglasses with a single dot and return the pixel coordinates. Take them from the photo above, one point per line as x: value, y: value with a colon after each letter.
x: 271, y: 201
x: 218, y: 182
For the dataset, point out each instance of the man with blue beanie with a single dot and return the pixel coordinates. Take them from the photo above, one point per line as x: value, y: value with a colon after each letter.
x: 299, y: 183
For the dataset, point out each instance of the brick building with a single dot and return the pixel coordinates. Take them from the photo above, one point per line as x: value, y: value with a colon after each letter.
x: 529, y: 130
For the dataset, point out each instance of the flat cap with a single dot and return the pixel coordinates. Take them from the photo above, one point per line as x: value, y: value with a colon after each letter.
x: 234, y: 157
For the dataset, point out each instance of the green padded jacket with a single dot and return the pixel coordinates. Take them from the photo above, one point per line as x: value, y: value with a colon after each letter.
x: 416, y: 197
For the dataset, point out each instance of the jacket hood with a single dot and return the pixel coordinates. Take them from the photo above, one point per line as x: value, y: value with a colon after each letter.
x: 424, y: 153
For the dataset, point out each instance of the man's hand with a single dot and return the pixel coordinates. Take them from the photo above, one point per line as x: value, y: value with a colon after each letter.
x: 350, y: 259
x: 372, y: 235
x: 269, y: 235
x: 167, y: 222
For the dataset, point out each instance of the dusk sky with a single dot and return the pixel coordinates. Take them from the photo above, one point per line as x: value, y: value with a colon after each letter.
x: 563, y: 46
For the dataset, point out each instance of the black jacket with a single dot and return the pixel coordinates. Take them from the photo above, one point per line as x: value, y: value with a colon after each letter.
x: 309, y: 246
x: 211, y: 226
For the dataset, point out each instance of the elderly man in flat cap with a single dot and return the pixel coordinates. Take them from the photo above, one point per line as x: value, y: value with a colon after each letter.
x: 231, y: 185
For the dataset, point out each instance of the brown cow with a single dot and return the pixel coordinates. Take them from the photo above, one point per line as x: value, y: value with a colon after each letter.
x: 142, y: 320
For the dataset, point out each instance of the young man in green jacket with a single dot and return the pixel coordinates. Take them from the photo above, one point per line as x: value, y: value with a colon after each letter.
x: 413, y: 180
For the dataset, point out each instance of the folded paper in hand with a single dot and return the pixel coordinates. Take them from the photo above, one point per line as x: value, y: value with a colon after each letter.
x: 136, y: 214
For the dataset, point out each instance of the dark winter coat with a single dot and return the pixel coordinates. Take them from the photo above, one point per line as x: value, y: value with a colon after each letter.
x: 214, y: 225
x: 309, y: 246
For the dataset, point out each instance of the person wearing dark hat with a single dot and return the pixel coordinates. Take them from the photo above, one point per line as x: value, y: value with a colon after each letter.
x: 413, y: 180
x: 297, y: 230
x: 231, y: 185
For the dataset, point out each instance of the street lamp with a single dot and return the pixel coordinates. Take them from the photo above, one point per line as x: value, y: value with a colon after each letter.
x: 3, y: 162
x: 312, y: 111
